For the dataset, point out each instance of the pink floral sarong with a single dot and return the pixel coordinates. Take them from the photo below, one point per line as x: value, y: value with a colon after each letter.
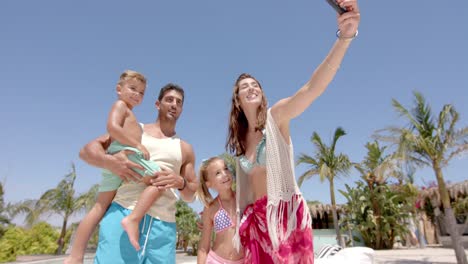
x: 253, y: 231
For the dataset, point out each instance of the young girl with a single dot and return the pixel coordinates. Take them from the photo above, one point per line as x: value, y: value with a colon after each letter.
x: 219, y: 214
x: 125, y: 133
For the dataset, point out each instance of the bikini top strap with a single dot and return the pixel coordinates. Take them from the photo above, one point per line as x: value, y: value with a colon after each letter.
x: 220, y: 203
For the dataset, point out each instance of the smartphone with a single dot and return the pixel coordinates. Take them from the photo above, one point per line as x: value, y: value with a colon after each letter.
x: 335, y: 6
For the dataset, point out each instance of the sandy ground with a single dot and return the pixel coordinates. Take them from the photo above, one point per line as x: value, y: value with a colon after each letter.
x: 428, y: 255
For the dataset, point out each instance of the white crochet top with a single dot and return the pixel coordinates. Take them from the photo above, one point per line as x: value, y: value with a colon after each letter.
x: 284, y: 196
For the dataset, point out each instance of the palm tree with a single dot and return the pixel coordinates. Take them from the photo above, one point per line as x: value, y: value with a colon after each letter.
x: 432, y: 142
x: 327, y: 165
x: 60, y: 200
x: 186, y: 221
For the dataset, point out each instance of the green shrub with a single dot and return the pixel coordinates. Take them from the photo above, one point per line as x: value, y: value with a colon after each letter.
x: 40, y: 239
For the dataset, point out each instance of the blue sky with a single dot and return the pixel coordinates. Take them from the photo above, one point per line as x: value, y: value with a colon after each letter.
x: 60, y: 61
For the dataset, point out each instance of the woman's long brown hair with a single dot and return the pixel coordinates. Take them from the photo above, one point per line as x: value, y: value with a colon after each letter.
x: 238, y: 125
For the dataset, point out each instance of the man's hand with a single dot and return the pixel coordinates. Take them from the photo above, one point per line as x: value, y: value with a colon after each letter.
x: 166, y: 179
x: 144, y: 151
x: 122, y: 167
x: 94, y: 153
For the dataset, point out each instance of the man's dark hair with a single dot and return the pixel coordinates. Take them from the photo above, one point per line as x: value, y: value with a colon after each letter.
x: 169, y: 87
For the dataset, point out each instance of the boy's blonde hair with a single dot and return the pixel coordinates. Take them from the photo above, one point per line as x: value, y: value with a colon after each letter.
x: 129, y: 74
x: 203, y: 193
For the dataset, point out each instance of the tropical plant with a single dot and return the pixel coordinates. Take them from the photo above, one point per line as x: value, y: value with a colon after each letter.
x: 187, y: 230
x: 11, y: 243
x: 375, y: 169
x: 431, y: 141
x: 40, y: 239
x: 5, y: 219
x: 328, y: 165
x: 377, y: 231
x: 60, y: 200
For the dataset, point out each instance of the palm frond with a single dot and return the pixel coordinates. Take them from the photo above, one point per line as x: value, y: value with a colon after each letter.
x: 390, y: 134
x: 343, y: 165
x: 418, y: 160
x: 339, y: 132
x: 86, y: 200
x: 325, y: 173
x: 412, y: 143
x: 317, y: 141
x: 385, y: 169
x: 404, y: 112
x: 30, y: 209
x: 460, y: 136
x: 307, y: 175
x: 360, y: 168
x: 306, y: 159
x: 423, y: 116
x: 460, y: 150
x: 375, y: 155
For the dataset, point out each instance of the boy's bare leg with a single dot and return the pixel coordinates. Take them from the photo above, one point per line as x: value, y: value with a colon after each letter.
x: 131, y: 222
x: 87, y: 226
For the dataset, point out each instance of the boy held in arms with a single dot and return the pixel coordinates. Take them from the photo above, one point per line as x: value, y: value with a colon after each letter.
x: 125, y: 133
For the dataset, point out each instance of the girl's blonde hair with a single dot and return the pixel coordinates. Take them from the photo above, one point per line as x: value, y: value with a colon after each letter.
x: 203, y: 193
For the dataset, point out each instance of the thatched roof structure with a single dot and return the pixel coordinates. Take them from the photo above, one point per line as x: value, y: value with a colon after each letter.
x: 456, y: 191
x: 318, y: 210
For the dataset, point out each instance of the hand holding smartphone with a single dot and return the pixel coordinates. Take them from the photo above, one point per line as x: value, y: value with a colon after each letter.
x: 337, y: 7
